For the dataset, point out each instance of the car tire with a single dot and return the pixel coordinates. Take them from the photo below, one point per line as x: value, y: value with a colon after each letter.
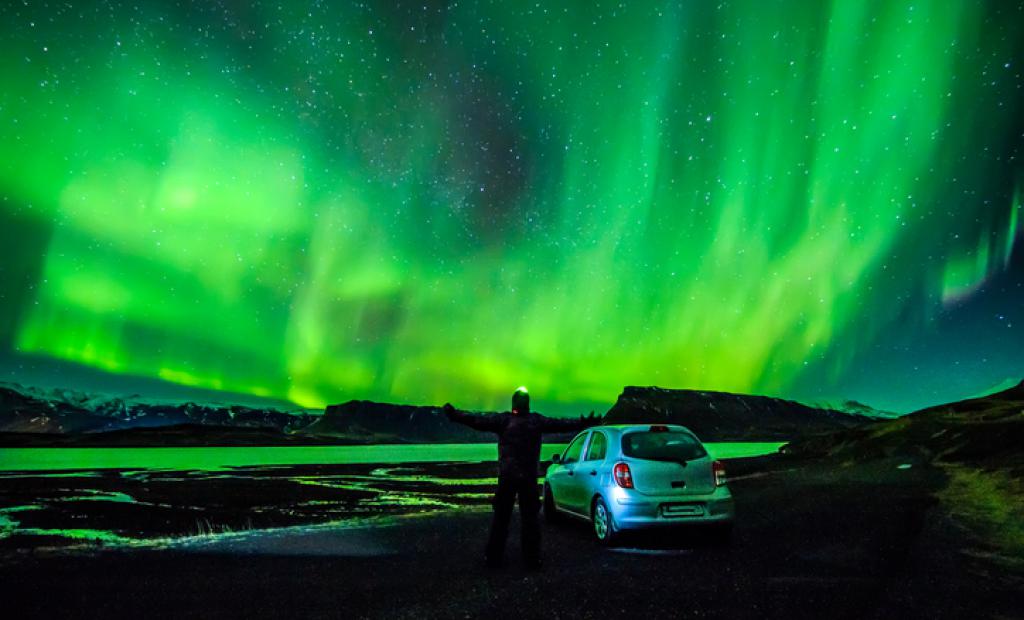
x: 602, y: 523
x: 550, y: 512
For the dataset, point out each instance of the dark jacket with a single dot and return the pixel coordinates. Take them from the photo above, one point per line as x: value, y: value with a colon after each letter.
x: 519, y: 436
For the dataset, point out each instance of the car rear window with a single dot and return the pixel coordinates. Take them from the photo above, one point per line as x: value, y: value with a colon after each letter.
x: 662, y: 446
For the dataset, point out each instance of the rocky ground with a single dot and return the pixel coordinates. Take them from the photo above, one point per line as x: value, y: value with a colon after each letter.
x: 141, y: 508
x: 815, y: 538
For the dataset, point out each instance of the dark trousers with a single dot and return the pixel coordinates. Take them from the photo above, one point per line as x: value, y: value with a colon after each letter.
x: 529, y: 505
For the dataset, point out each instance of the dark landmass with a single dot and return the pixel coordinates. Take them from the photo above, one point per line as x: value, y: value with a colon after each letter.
x: 65, y: 412
x: 389, y: 423
x: 978, y: 444
x: 371, y: 422
x: 36, y: 417
x: 858, y: 408
x: 986, y: 432
x: 723, y: 416
x: 175, y: 435
x: 33, y: 417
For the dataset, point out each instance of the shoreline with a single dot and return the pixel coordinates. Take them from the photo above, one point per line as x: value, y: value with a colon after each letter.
x: 867, y: 539
x: 135, y: 506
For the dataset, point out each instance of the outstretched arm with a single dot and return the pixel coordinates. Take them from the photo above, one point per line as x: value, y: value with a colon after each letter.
x: 565, y: 425
x: 479, y: 421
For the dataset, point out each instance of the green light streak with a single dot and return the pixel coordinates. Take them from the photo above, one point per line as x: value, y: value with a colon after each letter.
x: 965, y: 273
x: 1011, y: 230
x: 321, y: 204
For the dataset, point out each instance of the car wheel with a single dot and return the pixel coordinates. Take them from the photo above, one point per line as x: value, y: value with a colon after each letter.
x: 550, y: 512
x: 602, y: 522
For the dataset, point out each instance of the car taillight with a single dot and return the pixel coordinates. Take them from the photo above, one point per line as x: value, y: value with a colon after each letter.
x: 718, y: 470
x: 623, y: 477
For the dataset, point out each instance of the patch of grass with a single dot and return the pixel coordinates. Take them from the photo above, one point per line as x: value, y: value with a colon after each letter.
x: 990, y: 503
x: 206, y: 529
x: 890, y: 427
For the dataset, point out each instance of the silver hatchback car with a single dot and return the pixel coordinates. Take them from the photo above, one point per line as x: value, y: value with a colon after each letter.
x: 632, y: 476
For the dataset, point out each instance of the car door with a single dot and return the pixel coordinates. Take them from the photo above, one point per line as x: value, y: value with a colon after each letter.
x: 562, y: 476
x: 589, y: 472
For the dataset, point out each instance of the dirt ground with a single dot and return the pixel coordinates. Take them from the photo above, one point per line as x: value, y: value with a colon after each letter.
x: 813, y: 540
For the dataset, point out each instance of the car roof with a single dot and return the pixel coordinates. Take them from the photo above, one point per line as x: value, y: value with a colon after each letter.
x: 641, y: 427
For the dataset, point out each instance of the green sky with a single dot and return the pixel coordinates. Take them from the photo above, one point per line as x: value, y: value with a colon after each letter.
x: 428, y: 202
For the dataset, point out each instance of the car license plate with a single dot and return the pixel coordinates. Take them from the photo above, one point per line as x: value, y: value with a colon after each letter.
x: 682, y: 510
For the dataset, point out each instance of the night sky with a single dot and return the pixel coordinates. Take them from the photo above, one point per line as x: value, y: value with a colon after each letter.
x: 423, y: 202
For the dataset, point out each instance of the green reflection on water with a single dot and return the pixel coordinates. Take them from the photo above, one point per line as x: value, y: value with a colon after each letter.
x: 80, y: 534
x: 215, y: 458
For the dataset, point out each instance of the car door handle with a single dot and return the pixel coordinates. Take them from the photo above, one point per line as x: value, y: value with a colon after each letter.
x: 593, y: 472
x: 570, y: 472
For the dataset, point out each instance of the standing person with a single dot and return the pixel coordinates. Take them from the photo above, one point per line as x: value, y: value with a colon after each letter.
x: 519, y: 438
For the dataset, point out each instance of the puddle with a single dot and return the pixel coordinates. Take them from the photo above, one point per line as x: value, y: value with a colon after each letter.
x: 638, y: 551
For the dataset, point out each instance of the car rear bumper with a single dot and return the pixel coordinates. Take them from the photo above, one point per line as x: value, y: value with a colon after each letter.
x: 632, y: 510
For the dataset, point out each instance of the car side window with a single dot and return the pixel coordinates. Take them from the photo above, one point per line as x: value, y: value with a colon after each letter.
x: 572, y: 453
x: 598, y: 447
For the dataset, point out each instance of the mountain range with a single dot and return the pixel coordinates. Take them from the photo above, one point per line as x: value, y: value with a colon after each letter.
x: 724, y: 416
x: 36, y: 416
x: 985, y: 432
x: 68, y: 412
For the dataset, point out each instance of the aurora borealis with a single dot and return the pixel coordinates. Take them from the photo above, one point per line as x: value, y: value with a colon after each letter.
x: 421, y: 202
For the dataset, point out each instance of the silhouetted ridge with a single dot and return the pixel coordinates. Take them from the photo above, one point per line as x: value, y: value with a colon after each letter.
x: 372, y: 422
x: 60, y: 411
x: 985, y: 432
x: 1011, y: 395
x: 388, y: 422
x: 724, y: 416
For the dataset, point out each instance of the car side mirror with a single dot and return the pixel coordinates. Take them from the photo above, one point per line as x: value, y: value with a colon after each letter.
x: 555, y: 458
